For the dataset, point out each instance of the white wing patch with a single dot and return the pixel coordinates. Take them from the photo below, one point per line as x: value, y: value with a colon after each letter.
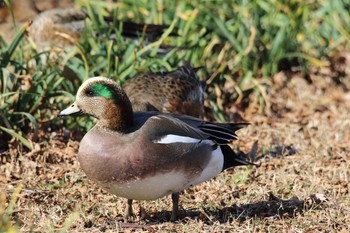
x: 172, y: 138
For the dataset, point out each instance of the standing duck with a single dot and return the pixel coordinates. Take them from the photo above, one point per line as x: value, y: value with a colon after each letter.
x: 148, y: 155
x: 178, y: 91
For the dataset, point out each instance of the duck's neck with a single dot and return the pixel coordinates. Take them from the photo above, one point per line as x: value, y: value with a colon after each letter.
x: 117, y: 118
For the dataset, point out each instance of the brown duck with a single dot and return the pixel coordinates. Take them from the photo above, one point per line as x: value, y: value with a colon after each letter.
x: 177, y: 91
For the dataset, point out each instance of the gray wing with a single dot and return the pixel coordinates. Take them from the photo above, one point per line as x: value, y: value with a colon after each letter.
x: 164, y: 124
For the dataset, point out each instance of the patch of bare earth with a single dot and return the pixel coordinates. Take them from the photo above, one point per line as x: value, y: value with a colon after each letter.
x: 301, y: 185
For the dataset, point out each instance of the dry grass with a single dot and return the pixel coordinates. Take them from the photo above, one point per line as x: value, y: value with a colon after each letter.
x: 305, y: 192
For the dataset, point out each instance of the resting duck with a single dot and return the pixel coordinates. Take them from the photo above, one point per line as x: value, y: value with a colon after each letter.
x: 148, y: 155
x: 61, y: 27
x: 177, y: 91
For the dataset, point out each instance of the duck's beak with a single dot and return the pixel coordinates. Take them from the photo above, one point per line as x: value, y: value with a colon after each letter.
x: 73, y: 109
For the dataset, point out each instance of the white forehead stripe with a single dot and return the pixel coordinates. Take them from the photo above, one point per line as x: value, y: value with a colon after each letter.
x: 96, y: 79
x: 172, y: 138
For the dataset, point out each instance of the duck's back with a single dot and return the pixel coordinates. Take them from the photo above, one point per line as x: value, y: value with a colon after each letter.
x: 178, y: 91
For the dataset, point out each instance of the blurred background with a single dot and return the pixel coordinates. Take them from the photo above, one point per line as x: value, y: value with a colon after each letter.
x: 242, y: 45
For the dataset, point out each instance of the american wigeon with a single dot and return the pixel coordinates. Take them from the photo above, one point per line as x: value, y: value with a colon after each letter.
x: 148, y: 155
x: 61, y: 27
x: 57, y: 27
x: 178, y: 91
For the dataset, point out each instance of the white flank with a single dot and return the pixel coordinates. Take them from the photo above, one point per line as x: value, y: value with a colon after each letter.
x: 213, y: 168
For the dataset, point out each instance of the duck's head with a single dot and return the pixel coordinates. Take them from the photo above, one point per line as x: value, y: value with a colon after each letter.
x: 105, y: 100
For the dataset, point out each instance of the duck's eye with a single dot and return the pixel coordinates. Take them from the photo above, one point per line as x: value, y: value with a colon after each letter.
x: 89, y: 93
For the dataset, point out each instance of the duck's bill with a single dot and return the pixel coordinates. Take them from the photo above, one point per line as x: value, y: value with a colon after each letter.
x: 73, y: 109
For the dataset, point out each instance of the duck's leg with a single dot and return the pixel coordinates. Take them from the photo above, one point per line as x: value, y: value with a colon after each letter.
x: 128, y: 211
x: 175, y: 197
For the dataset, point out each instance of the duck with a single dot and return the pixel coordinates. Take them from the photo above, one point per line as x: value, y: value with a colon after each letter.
x: 57, y: 27
x: 148, y: 155
x: 177, y: 91
x: 62, y: 27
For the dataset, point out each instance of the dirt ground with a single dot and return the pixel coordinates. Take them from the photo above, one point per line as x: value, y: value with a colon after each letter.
x: 300, y: 185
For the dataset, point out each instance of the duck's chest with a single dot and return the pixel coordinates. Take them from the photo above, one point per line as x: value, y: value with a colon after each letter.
x: 106, y: 157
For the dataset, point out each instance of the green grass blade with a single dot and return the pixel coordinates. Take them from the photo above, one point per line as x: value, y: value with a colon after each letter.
x: 6, y: 56
x: 14, y: 134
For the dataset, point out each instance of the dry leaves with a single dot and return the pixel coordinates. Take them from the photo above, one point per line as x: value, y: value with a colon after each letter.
x: 301, y: 185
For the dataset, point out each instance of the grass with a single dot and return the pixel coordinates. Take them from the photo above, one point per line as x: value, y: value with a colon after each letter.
x: 242, y: 46
x: 7, y: 211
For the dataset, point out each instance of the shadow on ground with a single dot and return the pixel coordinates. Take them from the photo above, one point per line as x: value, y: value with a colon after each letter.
x: 274, y: 207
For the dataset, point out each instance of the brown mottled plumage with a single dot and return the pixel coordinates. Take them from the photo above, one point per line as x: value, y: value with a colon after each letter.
x: 177, y: 91
x: 48, y: 27
x: 58, y: 27
x: 147, y: 155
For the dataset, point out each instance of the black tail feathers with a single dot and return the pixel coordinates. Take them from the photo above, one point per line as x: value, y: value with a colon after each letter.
x: 232, y: 159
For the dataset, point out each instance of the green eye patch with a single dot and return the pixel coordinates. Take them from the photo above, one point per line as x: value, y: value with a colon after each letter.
x: 101, y: 89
